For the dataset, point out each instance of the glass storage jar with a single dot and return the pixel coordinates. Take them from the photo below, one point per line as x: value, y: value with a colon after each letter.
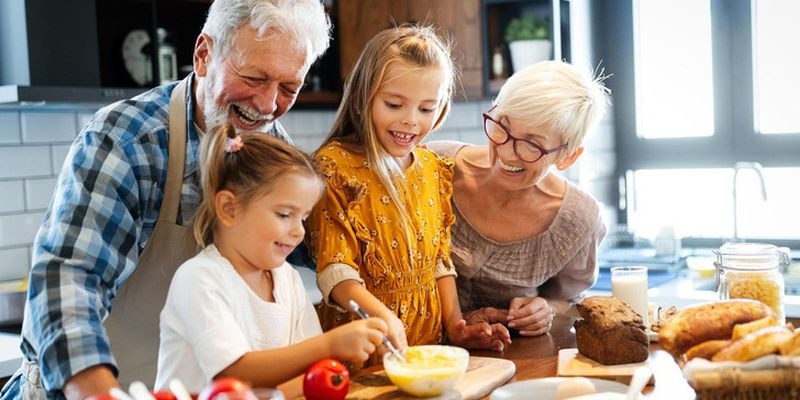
x: 752, y: 271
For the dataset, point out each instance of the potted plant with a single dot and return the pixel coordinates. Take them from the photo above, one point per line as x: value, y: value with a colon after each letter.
x: 528, y: 41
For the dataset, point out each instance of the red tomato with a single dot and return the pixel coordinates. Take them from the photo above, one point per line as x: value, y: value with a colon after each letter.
x: 227, y: 388
x: 326, y: 379
x: 164, y: 395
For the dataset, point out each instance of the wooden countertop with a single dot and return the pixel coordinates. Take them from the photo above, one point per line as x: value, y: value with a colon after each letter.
x: 537, y: 357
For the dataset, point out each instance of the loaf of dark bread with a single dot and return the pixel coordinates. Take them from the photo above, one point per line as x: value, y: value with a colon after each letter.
x: 611, y: 332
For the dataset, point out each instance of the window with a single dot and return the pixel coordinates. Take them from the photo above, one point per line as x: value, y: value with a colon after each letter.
x: 699, y: 87
x: 661, y: 82
x: 698, y: 202
x: 777, y: 58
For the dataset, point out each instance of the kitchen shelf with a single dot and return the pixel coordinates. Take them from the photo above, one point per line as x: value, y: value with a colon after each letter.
x: 183, y: 20
x: 497, y: 14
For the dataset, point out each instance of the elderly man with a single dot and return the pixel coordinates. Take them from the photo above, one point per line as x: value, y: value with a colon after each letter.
x: 118, y: 225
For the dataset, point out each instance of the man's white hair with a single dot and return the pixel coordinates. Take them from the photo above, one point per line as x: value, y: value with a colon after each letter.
x: 304, y: 20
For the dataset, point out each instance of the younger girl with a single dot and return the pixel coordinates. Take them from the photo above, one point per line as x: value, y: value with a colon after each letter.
x: 381, y: 233
x: 237, y: 308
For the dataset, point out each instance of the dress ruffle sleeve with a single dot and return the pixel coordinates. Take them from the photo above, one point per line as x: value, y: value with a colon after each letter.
x: 333, y: 229
x: 445, y: 173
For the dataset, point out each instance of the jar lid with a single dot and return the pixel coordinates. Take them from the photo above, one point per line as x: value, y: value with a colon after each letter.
x: 748, y: 255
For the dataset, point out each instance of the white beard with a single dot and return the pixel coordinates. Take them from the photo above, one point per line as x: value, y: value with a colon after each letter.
x: 216, y: 116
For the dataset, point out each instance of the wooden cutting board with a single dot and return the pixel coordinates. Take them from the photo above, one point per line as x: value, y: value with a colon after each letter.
x: 573, y: 363
x: 483, y: 375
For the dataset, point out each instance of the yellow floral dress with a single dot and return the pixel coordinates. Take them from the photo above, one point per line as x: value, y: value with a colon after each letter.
x: 356, y: 224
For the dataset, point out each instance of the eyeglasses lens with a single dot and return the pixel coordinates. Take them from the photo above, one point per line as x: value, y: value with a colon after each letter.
x: 525, y: 150
x: 495, y: 132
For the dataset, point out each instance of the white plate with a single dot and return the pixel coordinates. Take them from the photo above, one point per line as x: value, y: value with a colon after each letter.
x: 545, y: 388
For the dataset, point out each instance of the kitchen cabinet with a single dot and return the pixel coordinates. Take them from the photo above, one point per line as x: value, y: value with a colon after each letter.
x: 183, y: 20
x: 105, y: 50
x: 496, y: 16
x: 128, y: 42
x: 50, y: 53
x: 457, y: 19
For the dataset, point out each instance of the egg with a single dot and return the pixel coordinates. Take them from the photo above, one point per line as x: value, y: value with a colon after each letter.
x: 574, y: 387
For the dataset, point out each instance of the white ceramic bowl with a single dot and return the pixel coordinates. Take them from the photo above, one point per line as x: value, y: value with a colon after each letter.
x: 429, y: 370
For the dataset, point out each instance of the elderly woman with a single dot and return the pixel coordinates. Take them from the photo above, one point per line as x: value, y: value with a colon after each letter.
x: 524, y: 242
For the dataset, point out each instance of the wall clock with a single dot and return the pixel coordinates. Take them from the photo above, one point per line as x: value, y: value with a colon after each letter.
x: 137, y: 61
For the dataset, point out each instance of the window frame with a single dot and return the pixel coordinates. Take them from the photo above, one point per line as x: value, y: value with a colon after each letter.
x: 735, y: 137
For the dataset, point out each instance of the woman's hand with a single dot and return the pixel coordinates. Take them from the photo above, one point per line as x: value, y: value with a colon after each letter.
x: 356, y: 340
x: 479, y: 335
x: 531, y: 316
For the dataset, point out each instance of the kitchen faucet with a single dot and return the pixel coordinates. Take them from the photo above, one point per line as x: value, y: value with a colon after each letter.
x: 759, y: 171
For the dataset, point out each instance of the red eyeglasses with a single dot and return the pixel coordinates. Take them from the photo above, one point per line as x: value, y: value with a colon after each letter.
x: 526, y: 150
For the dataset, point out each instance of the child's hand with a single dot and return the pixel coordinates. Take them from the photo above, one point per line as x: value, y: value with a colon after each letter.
x: 479, y: 335
x: 397, y: 331
x: 357, y: 340
x: 486, y: 314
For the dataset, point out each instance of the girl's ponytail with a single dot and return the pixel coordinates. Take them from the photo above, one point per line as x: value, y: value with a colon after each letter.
x: 212, y: 167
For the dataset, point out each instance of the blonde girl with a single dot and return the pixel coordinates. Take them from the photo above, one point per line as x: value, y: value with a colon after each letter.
x: 237, y: 308
x: 381, y: 233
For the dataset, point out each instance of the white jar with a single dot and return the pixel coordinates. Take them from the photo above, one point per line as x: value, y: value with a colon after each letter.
x: 666, y: 243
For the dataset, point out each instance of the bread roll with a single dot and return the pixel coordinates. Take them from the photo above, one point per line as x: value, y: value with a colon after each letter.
x: 710, y: 321
x: 742, y: 330
x: 706, y: 349
x: 759, y: 343
x: 792, y: 346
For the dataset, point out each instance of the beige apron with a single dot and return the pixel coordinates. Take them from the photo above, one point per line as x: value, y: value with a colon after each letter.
x: 133, y: 324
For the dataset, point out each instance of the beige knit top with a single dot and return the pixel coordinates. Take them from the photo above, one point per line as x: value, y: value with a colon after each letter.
x: 559, y: 263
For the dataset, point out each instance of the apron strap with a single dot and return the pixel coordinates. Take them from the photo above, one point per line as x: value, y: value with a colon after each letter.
x: 133, y: 326
x: 176, y: 154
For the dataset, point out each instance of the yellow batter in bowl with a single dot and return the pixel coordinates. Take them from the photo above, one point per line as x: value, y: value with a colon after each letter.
x: 428, y: 370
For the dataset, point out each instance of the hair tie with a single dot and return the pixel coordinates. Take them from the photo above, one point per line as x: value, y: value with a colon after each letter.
x: 232, y: 145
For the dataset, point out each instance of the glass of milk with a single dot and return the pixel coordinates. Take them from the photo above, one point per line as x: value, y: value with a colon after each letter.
x: 629, y: 284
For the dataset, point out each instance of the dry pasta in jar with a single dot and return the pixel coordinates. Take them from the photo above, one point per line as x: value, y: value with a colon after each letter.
x: 762, y: 286
x: 751, y: 271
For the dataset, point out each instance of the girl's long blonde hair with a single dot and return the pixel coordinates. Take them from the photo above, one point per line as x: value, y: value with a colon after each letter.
x: 249, y: 171
x: 415, y: 44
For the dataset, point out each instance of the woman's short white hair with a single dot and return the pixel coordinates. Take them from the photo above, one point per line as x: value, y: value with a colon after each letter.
x: 304, y: 20
x: 555, y: 96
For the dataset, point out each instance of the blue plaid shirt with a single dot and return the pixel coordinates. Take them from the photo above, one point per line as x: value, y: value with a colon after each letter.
x: 103, y: 211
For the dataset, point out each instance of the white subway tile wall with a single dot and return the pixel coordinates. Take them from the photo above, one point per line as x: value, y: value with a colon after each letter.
x: 48, y: 127
x: 15, y: 263
x: 12, y: 198
x: 9, y: 128
x: 58, y: 153
x: 38, y: 193
x: 33, y: 145
x: 19, y: 229
x: 35, y: 142
x: 25, y: 161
